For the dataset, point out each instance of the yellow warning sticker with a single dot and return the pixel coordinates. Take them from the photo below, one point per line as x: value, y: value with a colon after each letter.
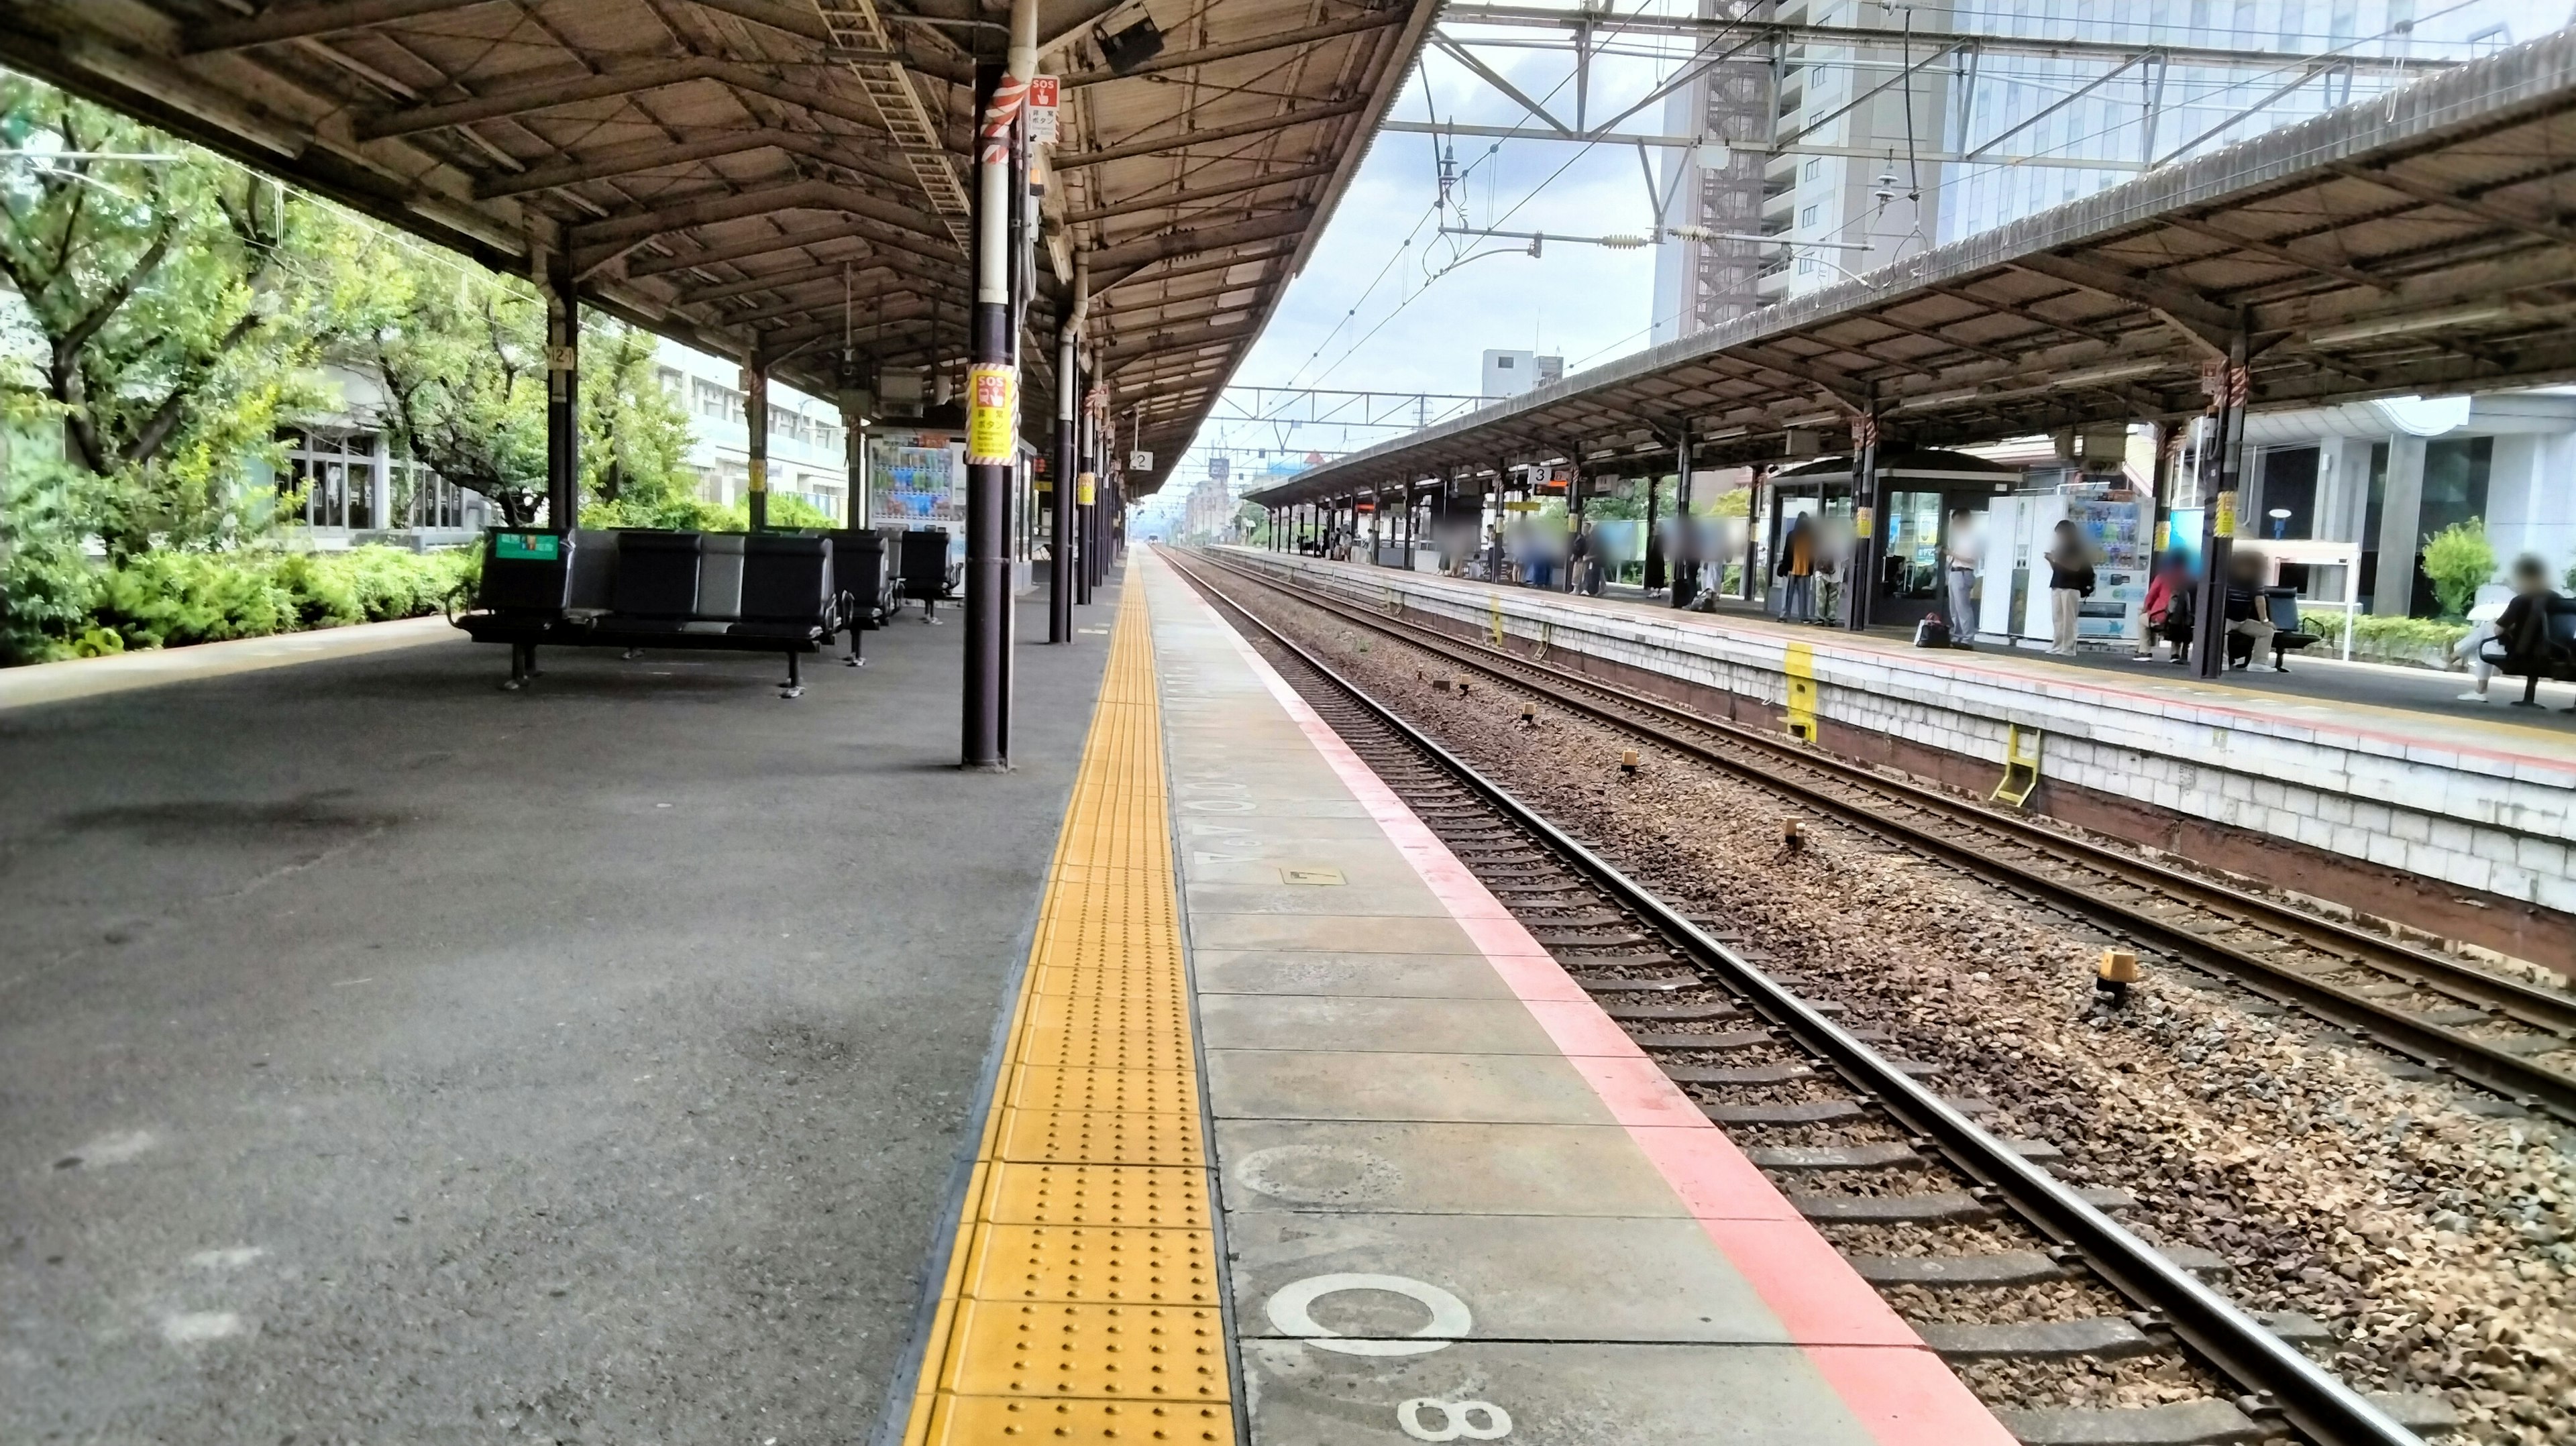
x: 992, y: 414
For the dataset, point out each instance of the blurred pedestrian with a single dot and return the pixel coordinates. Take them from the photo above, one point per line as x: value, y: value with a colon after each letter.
x: 2070, y: 581
x: 1800, y: 560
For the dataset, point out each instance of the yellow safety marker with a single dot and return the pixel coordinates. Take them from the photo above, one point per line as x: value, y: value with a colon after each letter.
x: 1081, y: 1299
x: 1798, y: 661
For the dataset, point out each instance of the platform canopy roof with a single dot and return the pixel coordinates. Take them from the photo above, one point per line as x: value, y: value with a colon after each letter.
x: 2423, y: 242
x: 775, y: 178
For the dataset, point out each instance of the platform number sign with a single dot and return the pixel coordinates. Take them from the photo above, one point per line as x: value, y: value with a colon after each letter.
x: 1043, y: 93
x: 1140, y: 460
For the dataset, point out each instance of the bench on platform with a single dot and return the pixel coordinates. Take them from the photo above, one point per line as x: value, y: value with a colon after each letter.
x: 636, y: 589
x: 863, y: 570
x: 2281, y: 605
x: 923, y: 574
x: 2545, y: 648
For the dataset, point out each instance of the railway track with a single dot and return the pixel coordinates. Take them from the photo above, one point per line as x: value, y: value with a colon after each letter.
x: 1869, y: 1144
x: 2509, y: 1038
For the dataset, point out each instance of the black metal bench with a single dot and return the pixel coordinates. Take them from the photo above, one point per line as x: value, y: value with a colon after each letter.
x: 724, y: 592
x: 2543, y: 647
x: 922, y: 572
x: 2281, y: 605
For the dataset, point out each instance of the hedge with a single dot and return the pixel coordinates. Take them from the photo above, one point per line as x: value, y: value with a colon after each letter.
x: 2419, y: 641
x: 173, y: 599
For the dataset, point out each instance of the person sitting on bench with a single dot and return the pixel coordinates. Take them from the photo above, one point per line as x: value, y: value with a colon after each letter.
x: 2246, y: 616
x: 2533, y: 634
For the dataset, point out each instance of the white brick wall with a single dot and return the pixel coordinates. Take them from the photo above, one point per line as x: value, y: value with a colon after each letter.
x: 2505, y: 824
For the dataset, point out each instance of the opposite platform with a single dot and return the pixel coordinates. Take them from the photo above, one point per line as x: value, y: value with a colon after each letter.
x: 2462, y: 827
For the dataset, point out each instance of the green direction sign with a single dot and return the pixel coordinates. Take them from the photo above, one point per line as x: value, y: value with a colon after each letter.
x: 527, y: 546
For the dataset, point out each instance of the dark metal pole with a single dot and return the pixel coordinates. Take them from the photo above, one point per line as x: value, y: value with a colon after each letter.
x: 1068, y: 463
x: 1685, y: 545
x: 2229, y: 386
x: 1654, y: 578
x: 563, y: 393
x: 992, y: 429
x: 755, y: 416
x: 1860, y: 585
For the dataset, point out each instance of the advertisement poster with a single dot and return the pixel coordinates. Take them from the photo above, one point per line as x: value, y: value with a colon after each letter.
x: 916, y: 480
x: 2116, y: 523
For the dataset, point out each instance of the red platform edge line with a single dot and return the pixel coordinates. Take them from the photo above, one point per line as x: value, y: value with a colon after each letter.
x: 1889, y: 1380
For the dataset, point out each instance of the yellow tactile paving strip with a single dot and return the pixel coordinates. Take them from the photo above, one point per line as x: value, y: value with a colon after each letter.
x: 1081, y: 1302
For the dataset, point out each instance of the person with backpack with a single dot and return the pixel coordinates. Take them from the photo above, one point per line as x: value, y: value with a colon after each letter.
x: 2070, y: 581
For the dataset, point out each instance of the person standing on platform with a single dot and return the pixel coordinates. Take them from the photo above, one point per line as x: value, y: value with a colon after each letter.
x: 2070, y: 581
x: 1961, y: 574
x: 1800, y: 561
x: 1578, y: 560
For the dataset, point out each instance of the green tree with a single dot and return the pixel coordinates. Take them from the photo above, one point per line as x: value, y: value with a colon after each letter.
x: 162, y: 314
x: 2459, y: 560
x: 460, y: 354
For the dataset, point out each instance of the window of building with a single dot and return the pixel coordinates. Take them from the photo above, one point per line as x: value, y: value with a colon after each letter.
x: 1807, y: 217
x: 1815, y: 168
x: 334, y: 473
x: 672, y: 381
x: 1806, y: 265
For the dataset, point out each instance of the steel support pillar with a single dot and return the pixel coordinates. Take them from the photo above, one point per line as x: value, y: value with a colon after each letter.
x: 563, y: 391
x: 1685, y: 545
x: 991, y: 428
x: 1860, y: 576
x: 2228, y: 387
x: 1068, y: 467
x: 755, y: 417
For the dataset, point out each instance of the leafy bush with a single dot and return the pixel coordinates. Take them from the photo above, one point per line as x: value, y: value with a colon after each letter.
x: 2459, y: 560
x: 2386, y: 640
x: 172, y: 599
x: 47, y: 582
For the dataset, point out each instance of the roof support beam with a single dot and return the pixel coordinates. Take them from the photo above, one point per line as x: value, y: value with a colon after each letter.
x: 1190, y: 243
x: 856, y: 269
x: 1286, y: 39
x: 2538, y: 226
x: 1134, y: 349
x: 625, y: 80
x: 627, y: 160
x: 1151, y: 202
x: 2278, y: 252
x: 1842, y: 388
x: 2204, y: 322
x: 300, y: 22
x: 1181, y: 140
x: 708, y: 210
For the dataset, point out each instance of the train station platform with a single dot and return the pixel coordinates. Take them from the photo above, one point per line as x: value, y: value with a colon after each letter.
x: 2461, y: 826
x: 1297, y: 1130
x: 387, y: 1057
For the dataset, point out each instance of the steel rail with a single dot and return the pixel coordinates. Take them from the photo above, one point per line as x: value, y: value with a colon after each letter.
x: 2471, y: 1059
x: 2311, y: 1398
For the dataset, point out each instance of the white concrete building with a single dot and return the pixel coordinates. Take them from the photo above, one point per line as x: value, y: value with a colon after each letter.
x: 1510, y: 373
x: 808, y: 448
x: 1830, y: 148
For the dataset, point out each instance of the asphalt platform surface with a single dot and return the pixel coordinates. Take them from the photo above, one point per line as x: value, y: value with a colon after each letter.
x: 388, y: 1058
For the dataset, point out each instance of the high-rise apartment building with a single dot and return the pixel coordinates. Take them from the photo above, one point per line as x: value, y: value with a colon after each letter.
x: 1824, y: 158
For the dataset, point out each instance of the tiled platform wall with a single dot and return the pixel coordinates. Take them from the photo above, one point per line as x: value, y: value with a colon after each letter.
x: 2462, y: 842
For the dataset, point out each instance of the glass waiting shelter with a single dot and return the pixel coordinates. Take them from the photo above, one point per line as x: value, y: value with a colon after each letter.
x: 1919, y: 489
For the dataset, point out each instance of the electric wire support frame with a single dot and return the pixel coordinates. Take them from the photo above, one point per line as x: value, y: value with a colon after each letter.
x: 2082, y: 878
x: 2315, y: 1401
